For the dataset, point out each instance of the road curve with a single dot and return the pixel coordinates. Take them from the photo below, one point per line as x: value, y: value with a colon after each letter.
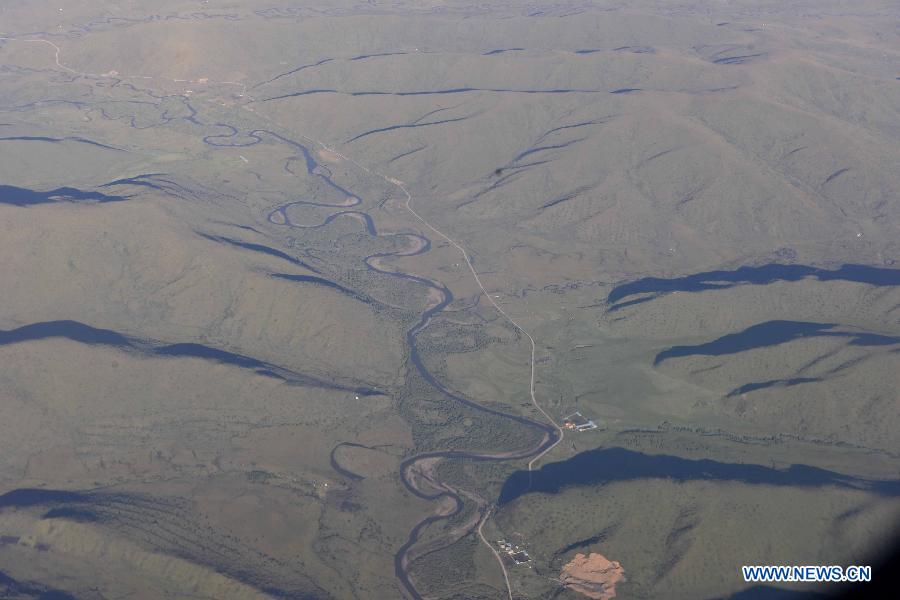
x: 553, y: 433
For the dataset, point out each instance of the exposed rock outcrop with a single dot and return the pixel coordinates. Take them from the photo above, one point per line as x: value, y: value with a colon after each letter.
x: 593, y: 575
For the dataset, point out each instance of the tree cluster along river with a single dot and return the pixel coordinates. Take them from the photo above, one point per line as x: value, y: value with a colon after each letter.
x: 588, y: 468
x: 584, y: 469
x: 420, y: 245
x: 552, y: 434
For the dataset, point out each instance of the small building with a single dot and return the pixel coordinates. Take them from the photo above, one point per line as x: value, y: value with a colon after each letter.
x: 578, y: 422
x: 513, y: 554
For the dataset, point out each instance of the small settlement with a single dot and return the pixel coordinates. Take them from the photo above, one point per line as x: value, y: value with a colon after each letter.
x: 578, y: 422
x: 514, y: 553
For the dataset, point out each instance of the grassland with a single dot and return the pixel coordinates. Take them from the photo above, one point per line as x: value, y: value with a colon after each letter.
x: 209, y: 280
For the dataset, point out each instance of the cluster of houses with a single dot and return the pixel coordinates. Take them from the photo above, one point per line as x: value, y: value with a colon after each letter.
x: 516, y: 554
x: 578, y: 422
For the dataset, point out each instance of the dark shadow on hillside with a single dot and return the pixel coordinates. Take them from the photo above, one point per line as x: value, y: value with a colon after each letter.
x: 312, y: 279
x: 773, y: 333
x: 16, y: 196
x: 156, y: 182
x: 166, y: 525
x: 607, y: 465
x: 762, y: 275
x: 26, y: 497
x: 29, y: 590
x: 53, y: 140
x: 761, y: 385
x: 259, y: 248
x: 85, y: 334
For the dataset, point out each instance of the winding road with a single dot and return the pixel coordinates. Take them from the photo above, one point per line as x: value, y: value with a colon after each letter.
x: 553, y: 433
x: 413, y: 469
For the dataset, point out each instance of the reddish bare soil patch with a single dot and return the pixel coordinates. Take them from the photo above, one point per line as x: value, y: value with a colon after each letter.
x: 594, y: 576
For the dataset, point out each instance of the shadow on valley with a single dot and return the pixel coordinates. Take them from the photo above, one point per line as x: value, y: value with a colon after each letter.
x: 85, y: 334
x: 16, y: 196
x: 773, y: 333
x: 762, y: 275
x: 608, y: 465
